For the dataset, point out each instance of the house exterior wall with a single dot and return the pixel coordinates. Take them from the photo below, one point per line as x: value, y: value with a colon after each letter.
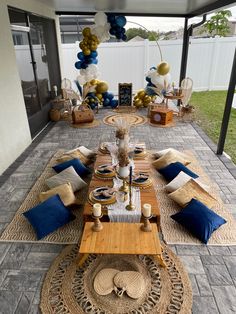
x: 14, y: 128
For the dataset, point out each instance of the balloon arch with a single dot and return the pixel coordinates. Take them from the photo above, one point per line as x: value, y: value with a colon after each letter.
x: 107, y: 25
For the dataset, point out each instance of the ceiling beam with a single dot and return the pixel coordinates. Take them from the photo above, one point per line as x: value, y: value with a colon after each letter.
x: 123, y: 13
x: 211, y: 7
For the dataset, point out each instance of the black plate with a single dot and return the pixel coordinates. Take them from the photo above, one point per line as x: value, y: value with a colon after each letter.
x: 101, y: 197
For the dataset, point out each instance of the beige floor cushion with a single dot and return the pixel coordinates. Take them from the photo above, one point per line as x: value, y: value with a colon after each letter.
x: 74, y: 154
x: 161, y: 153
x: 168, y: 158
x: 190, y: 190
x: 86, y: 152
x: 181, y: 179
x: 67, y: 175
x: 65, y: 192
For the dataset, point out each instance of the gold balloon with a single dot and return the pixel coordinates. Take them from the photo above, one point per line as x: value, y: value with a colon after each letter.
x: 102, y: 87
x: 93, y: 46
x: 81, y: 45
x: 86, y: 51
x: 93, y: 82
x: 141, y: 94
x: 163, y: 68
x: 138, y: 102
x: 147, y: 99
x: 99, y: 96
x: 86, y: 32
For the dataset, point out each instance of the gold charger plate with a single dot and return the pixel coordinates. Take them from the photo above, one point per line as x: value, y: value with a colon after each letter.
x: 105, y: 201
x: 143, y: 185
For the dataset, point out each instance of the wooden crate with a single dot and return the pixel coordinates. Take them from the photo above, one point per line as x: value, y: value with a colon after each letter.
x: 161, y: 116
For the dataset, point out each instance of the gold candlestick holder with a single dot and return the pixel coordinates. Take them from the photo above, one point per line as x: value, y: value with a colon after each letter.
x: 146, y: 227
x: 130, y: 206
x: 124, y: 187
x: 97, y: 223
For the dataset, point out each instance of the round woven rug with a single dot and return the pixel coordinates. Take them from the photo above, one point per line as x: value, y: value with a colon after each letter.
x: 69, y: 289
x: 134, y: 119
x: 86, y: 125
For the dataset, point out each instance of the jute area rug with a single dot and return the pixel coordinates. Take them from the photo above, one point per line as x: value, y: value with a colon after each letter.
x: 20, y: 230
x: 89, y: 125
x: 69, y: 289
x: 174, y: 233
x: 134, y: 119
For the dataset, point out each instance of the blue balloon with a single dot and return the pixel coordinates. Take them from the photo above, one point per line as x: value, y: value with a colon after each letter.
x: 93, y: 54
x: 112, y: 31
x: 124, y: 37
x: 105, y: 95
x: 149, y: 91
x: 89, y: 60
x: 78, y: 65
x: 84, y: 65
x: 114, y: 103
x: 110, y: 96
x: 122, y: 30
x: 118, y: 35
x: 95, y: 61
x: 121, y: 20
x: 91, y: 95
x: 81, y: 56
x: 106, y: 102
x: 111, y: 18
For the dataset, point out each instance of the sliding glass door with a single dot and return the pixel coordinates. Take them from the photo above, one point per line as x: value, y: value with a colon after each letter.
x: 38, y: 64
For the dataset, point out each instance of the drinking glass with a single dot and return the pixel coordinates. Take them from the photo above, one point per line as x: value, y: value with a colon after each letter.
x: 121, y: 196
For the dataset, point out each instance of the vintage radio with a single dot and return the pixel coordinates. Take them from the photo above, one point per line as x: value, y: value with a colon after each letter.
x: 161, y: 116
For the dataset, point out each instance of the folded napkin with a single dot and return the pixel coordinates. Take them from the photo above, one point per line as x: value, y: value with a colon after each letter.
x: 141, y: 177
x: 107, y: 193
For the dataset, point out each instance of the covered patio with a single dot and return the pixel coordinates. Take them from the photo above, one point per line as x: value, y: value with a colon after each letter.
x: 23, y: 265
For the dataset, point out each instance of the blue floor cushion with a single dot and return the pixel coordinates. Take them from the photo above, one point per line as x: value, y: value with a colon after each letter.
x: 172, y: 170
x: 48, y: 216
x: 76, y: 163
x: 199, y: 220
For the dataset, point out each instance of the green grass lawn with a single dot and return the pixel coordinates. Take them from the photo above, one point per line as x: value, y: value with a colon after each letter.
x: 209, y: 107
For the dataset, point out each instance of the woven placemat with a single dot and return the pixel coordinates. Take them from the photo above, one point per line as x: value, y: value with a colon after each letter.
x: 69, y: 289
x: 133, y: 119
x: 173, y: 232
x: 20, y: 230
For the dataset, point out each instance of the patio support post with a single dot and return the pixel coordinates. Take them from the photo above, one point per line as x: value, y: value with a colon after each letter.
x: 185, y: 47
x: 228, y: 106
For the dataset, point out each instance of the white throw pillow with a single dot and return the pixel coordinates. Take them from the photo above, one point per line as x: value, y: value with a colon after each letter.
x: 161, y: 153
x: 181, y: 179
x: 67, y: 175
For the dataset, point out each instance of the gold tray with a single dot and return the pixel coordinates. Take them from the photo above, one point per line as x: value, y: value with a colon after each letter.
x: 104, y: 177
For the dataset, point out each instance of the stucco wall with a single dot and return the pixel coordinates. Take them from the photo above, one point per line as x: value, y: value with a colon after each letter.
x: 14, y: 129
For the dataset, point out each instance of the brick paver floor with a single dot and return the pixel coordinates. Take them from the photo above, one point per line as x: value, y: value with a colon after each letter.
x: 212, y: 269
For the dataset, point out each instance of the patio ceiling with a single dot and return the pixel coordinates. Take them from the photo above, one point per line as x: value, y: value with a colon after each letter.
x: 174, y: 8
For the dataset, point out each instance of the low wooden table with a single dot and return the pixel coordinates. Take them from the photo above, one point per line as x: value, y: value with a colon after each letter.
x: 120, y: 238
x: 147, y: 195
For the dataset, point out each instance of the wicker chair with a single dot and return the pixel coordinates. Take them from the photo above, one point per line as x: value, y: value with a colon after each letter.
x: 187, y: 111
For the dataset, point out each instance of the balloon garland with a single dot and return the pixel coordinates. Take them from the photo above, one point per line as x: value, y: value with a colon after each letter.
x: 158, y: 83
x: 106, y: 25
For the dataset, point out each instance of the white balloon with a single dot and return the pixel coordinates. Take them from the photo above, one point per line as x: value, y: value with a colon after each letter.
x: 158, y: 80
x: 81, y: 80
x: 102, y: 32
x: 100, y: 18
x: 168, y: 81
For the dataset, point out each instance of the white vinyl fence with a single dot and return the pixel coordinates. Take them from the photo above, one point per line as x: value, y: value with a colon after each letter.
x: 209, y: 61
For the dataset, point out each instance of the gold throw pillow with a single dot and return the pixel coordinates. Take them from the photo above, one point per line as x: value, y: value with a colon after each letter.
x: 168, y: 158
x: 72, y: 155
x: 190, y: 190
x: 65, y: 192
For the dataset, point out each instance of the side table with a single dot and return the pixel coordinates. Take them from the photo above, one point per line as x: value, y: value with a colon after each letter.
x: 120, y: 238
